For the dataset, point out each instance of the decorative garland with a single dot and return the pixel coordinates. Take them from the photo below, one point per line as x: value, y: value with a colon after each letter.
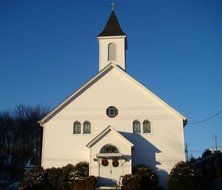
x: 115, y: 163
x: 105, y: 162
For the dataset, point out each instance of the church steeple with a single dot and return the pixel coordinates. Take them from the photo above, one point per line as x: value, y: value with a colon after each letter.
x: 112, y: 44
x: 112, y: 27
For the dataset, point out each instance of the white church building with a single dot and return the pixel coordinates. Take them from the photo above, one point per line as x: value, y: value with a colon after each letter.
x: 112, y: 121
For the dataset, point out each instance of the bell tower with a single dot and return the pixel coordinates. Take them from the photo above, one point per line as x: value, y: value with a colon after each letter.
x: 112, y: 44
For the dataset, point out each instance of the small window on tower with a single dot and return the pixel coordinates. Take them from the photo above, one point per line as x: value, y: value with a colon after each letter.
x: 111, y: 52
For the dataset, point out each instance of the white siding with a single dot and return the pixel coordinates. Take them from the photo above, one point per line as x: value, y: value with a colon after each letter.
x: 161, y: 149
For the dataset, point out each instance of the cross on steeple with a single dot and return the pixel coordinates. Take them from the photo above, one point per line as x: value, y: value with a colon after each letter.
x: 113, y: 5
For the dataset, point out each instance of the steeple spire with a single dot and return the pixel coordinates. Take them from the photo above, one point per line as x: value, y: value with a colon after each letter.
x: 112, y: 27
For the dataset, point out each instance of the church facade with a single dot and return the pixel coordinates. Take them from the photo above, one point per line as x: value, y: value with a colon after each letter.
x: 113, y: 122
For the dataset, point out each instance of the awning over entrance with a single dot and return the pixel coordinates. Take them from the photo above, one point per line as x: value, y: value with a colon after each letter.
x: 109, y: 155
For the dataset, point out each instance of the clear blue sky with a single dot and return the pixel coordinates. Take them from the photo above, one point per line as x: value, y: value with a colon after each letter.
x: 48, y: 48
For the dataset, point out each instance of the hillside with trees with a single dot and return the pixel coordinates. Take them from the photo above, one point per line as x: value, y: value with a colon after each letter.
x: 20, y: 140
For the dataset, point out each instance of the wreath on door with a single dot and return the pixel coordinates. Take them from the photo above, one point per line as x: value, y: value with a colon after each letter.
x: 105, y: 162
x: 115, y: 163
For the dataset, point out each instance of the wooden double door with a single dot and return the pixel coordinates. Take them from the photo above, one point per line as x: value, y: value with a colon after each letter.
x: 110, y: 174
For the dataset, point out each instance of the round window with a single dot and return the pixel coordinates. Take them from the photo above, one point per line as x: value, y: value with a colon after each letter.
x: 111, y: 111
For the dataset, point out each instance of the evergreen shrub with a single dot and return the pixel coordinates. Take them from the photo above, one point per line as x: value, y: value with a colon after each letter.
x: 88, y: 183
x: 68, y: 177
x: 184, y: 176
x: 131, y: 182
x: 35, y: 179
x: 143, y: 178
x: 149, y: 179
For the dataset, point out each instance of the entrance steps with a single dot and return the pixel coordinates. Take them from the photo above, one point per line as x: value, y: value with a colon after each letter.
x: 107, y: 188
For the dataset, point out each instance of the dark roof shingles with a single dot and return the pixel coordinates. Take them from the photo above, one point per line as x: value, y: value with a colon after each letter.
x: 112, y: 27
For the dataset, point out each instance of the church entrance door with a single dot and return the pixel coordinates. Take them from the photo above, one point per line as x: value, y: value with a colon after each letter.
x: 110, y: 165
x: 110, y: 171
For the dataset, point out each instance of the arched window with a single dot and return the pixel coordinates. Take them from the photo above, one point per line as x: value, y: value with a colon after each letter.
x: 146, y: 126
x: 77, y: 127
x: 136, y: 127
x: 86, y: 127
x: 111, y: 52
x: 108, y: 148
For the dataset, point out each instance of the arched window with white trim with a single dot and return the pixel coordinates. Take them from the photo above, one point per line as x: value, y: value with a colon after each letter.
x: 76, y: 127
x: 86, y: 127
x: 146, y: 126
x: 136, y: 127
x: 109, y: 148
x: 112, y: 52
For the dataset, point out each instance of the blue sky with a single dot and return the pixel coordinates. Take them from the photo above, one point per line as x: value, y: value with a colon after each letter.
x: 49, y: 48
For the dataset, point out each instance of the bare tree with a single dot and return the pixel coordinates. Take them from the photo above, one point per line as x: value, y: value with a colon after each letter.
x: 20, y: 137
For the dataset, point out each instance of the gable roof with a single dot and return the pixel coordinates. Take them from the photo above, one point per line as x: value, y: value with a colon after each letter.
x: 103, y: 133
x: 112, y: 27
x: 92, y: 81
x: 75, y: 94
